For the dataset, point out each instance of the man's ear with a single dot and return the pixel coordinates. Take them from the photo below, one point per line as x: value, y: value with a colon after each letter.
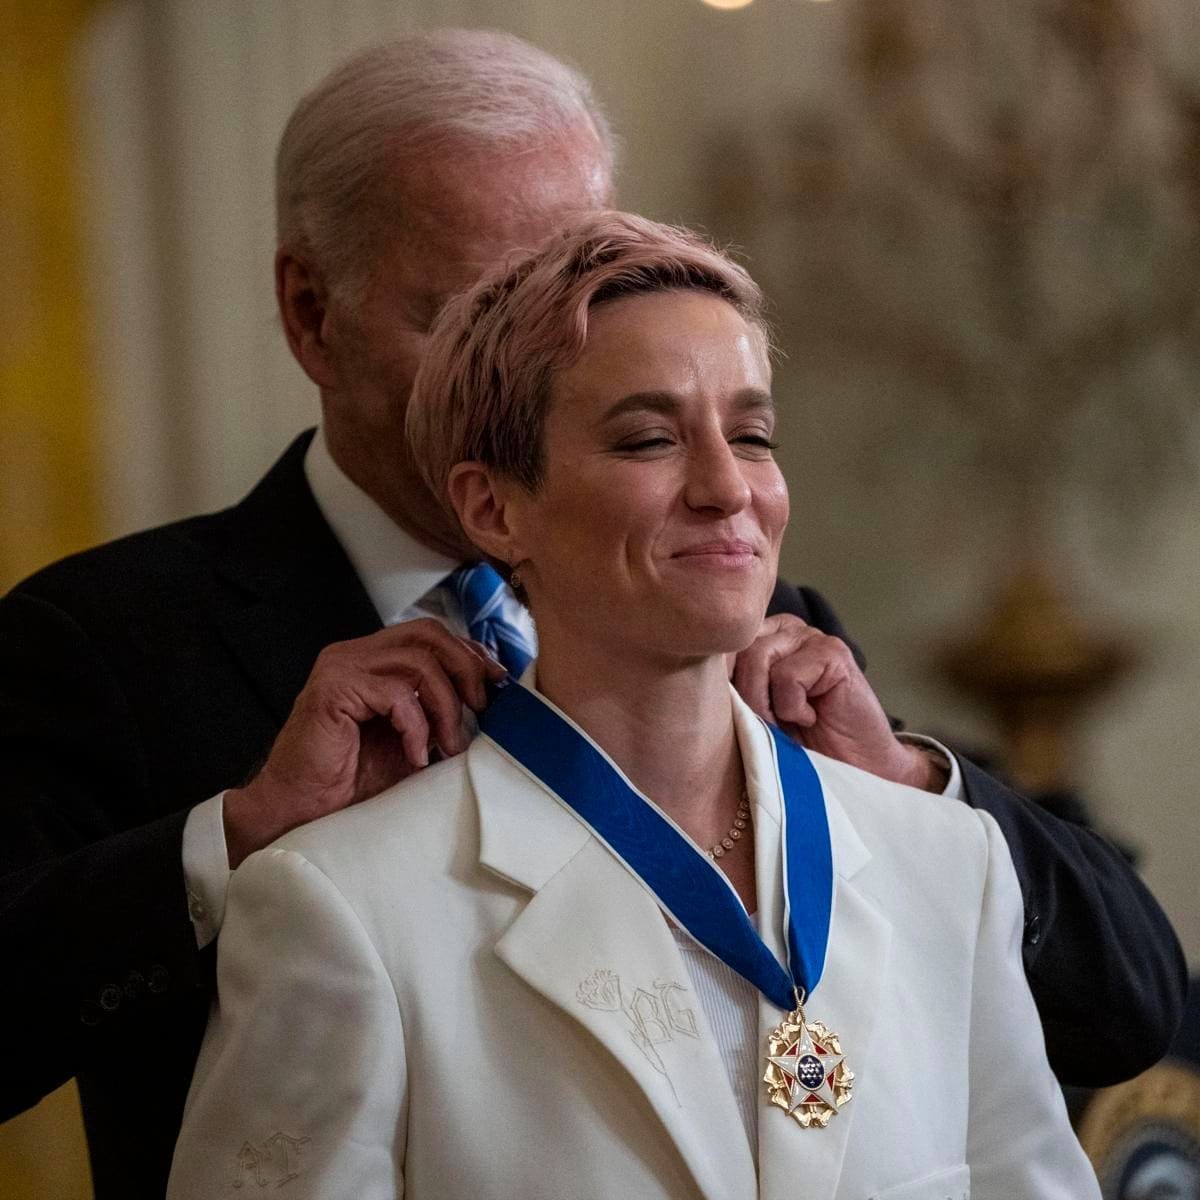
x: 304, y: 310
x: 483, y: 501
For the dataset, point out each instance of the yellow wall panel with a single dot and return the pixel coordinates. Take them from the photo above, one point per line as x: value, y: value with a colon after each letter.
x: 42, y: 1152
x: 47, y: 468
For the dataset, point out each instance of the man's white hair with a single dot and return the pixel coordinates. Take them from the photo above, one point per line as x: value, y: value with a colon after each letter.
x: 410, y: 98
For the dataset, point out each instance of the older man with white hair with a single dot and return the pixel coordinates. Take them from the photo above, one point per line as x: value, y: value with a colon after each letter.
x: 172, y: 701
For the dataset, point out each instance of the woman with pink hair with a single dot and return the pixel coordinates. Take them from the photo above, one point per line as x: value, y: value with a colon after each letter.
x: 634, y: 942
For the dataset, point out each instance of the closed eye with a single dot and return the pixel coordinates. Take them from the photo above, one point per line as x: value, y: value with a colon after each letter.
x: 756, y: 439
x: 657, y: 442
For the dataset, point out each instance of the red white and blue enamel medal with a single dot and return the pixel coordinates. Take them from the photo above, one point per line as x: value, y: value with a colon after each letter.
x: 806, y: 1072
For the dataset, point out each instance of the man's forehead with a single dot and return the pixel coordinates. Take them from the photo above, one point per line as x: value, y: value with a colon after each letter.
x: 476, y: 191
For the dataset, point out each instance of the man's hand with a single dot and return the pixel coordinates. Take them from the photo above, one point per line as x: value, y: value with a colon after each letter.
x: 807, y: 683
x: 365, y: 719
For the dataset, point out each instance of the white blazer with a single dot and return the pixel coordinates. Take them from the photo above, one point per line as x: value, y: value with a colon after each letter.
x: 454, y: 991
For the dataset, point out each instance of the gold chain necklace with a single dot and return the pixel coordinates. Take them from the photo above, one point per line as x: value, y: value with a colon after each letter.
x: 740, y: 822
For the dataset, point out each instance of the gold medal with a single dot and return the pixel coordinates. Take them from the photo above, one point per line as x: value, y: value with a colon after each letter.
x: 806, y: 1074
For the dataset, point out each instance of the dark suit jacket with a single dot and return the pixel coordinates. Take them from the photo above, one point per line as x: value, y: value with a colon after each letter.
x: 142, y: 677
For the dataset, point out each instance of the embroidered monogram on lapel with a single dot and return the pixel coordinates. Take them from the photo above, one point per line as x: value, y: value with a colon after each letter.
x: 655, y: 1017
x: 277, y: 1161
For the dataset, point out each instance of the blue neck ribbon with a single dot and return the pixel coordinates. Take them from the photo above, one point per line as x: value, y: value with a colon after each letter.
x: 689, y: 886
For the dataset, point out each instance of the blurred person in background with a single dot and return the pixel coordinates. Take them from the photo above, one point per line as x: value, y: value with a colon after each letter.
x: 175, y: 700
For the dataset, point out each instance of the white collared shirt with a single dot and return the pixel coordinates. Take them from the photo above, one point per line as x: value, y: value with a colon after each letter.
x: 400, y: 574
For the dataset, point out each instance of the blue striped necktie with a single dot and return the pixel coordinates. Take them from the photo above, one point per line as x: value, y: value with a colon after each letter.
x: 489, y: 610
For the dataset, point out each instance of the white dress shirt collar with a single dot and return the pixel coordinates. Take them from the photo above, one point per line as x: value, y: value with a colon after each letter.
x: 395, y: 569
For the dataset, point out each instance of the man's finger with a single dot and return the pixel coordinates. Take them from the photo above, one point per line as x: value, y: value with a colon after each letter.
x: 496, y: 669
x: 781, y: 636
x: 752, y: 675
x: 790, y: 701
x: 439, y: 697
x: 413, y: 685
x: 407, y: 718
x: 470, y: 672
x: 465, y: 663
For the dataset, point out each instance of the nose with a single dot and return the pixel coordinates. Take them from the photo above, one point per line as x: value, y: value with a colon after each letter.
x: 715, y: 479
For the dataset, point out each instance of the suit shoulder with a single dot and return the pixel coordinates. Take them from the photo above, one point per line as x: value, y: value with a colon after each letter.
x: 416, y: 843
x: 900, y: 822
x: 153, y: 559
x: 137, y: 577
x: 413, y: 819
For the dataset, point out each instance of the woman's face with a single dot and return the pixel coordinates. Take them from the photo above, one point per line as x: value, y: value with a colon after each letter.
x: 658, y: 523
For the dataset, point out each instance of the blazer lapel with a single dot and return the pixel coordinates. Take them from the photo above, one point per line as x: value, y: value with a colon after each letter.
x: 792, y: 1160
x: 295, y: 590
x: 594, y: 943
x: 846, y: 1002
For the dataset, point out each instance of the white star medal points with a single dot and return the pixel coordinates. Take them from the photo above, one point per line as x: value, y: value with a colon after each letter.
x: 806, y: 1073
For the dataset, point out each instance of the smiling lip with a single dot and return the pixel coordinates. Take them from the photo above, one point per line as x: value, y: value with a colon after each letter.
x: 719, y: 554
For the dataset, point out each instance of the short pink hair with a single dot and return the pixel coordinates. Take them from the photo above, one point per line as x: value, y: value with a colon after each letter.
x: 484, y: 384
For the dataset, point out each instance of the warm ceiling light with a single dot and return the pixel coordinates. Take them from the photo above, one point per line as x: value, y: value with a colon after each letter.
x: 727, y: 3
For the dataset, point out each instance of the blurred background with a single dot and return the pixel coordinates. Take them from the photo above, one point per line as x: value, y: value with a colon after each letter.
x: 978, y: 223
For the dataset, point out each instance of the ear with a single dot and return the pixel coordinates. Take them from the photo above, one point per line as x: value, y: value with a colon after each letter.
x: 304, y: 309
x: 488, y: 508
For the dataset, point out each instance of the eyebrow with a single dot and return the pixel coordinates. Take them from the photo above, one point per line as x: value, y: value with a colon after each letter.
x: 668, y: 403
